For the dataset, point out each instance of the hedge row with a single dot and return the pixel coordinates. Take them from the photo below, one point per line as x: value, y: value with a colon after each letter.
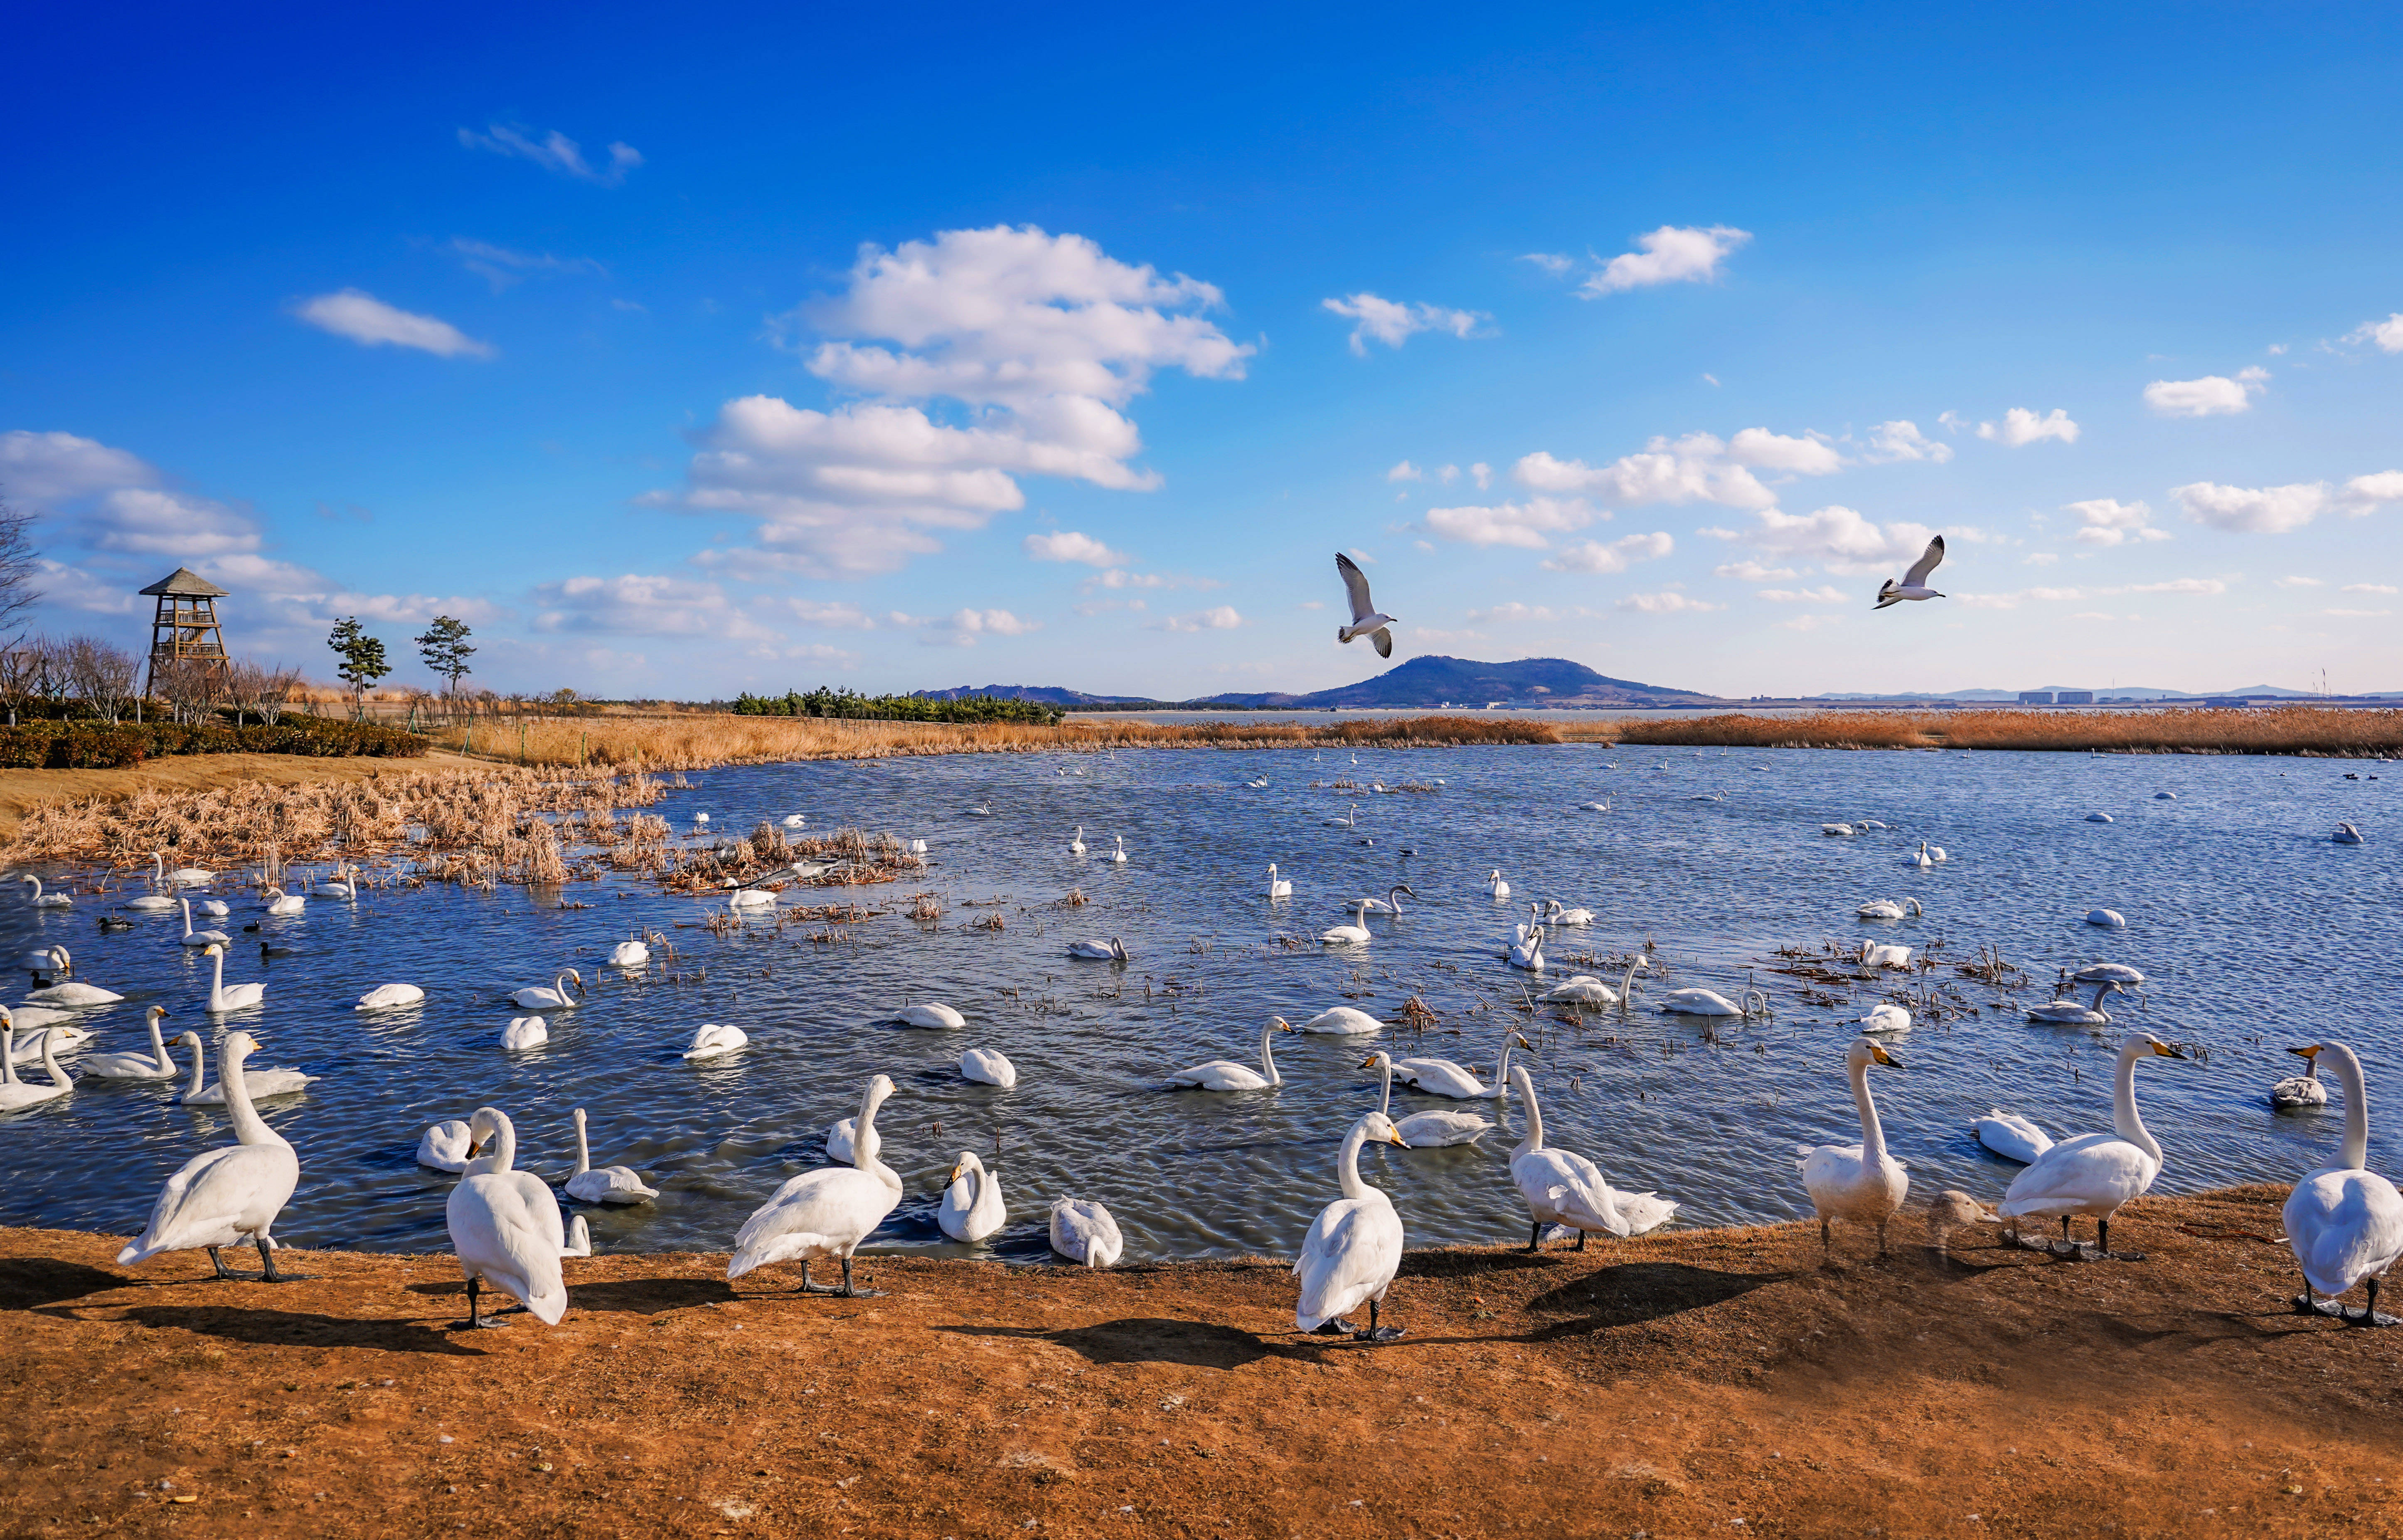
x: 49, y: 745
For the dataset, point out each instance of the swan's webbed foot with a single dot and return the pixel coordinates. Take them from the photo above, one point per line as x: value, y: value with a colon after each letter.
x: 1390, y: 1334
x: 1335, y: 1325
x: 2367, y: 1317
x: 807, y: 1288
x: 267, y: 1258
x: 477, y: 1320
x: 852, y: 1291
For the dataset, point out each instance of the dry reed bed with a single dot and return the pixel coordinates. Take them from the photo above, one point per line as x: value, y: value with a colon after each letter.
x: 2325, y: 730
x: 687, y: 742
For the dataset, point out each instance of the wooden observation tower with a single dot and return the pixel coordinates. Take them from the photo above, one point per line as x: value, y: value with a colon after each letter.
x: 184, y: 631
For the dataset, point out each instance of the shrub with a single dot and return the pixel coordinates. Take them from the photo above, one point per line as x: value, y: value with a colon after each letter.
x: 81, y: 745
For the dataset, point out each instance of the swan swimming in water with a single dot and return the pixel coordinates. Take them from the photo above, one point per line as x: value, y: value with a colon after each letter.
x: 2345, y: 835
x: 525, y: 1034
x: 222, y: 998
x: 1584, y: 989
x: 2095, y: 1173
x: 443, y: 1147
x: 628, y: 955
x: 557, y: 997
x: 74, y: 992
x: 390, y: 998
x: 1442, y: 1077
x: 824, y: 1213
x: 1391, y: 903
x: 279, y: 902
x: 988, y: 1066
x: 589, y: 1184
x: 2011, y: 1136
x: 1278, y: 887
x: 1528, y: 954
x: 2344, y: 1221
x: 2106, y: 919
x: 1561, y: 1187
x: 1354, y: 1246
x: 1887, y: 909
x: 45, y: 900
x: 505, y: 1227
x: 1426, y: 1129
x: 1556, y: 913
x: 156, y: 1065
x: 255, y: 1084
x: 711, y: 1040
x: 1226, y: 1075
x: 1494, y: 885
x: 2061, y: 1011
x: 1083, y: 1231
x: 200, y: 937
x: 1885, y: 1020
x: 15, y: 1094
x: 933, y: 1016
x: 1353, y: 935
x: 1876, y: 955
x: 972, y: 1206
x: 1076, y: 841
x: 1342, y: 1021
x: 2292, y: 1094
x: 1111, y: 951
x: 1699, y: 1001
x: 224, y: 1197
x: 1860, y: 1183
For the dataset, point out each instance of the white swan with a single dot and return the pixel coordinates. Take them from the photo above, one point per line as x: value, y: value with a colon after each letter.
x: 45, y: 961
x: 1528, y: 953
x: 2106, y: 919
x: 2117, y: 974
x: 750, y: 898
x: 2063, y: 1011
x: 1555, y: 913
x: 1426, y: 1129
x: 1494, y: 885
x: 933, y: 1016
x: 2291, y: 1094
x: 628, y: 955
x: 1584, y: 989
x: 1278, y: 887
x: 1442, y: 1077
x: 1839, y: 830
x: 1119, y: 855
x: 589, y: 1184
x: 795, y: 821
x: 2345, y: 835
x: 227, y: 1196
x: 255, y: 1084
x: 525, y: 1034
x: 1353, y: 935
x: 1350, y: 819
x: 505, y: 1227
x: 1919, y: 857
x: 1083, y: 1231
x: 154, y: 903
x: 1226, y: 1075
x: 1342, y: 1021
x: 213, y: 907
x: 2344, y: 1221
x: 237, y: 997
x: 989, y: 1067
x: 2011, y: 1136
x: 1561, y: 1187
x: 1392, y: 902
x: 443, y: 1147
x: 390, y: 998
x: 917, y: 846
x: 181, y: 876
x: 535, y: 997
x: 200, y: 937
x: 46, y: 900
x: 1886, y: 908
x: 16, y: 1094
x: 74, y: 993
x: 1111, y: 951
x: 579, y: 1238
x: 45, y: 1031
x: 1699, y: 1001
x: 1876, y: 954
x: 1885, y: 1020
x: 2095, y: 1173
x: 1354, y: 1246
x: 823, y: 1213
x: 972, y: 1206
x: 158, y: 1064
x: 335, y: 887
x: 279, y: 902
x: 1076, y: 841
x: 711, y: 1040
x: 1858, y: 1183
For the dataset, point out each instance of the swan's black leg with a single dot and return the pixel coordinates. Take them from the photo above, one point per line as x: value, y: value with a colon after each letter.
x: 1826, y: 1238
x: 2370, y: 1316
x: 2311, y: 1304
x: 1387, y: 1334
x: 477, y: 1319
x: 2103, y: 1238
x: 850, y: 1290
x: 1536, y: 1237
x: 267, y: 1258
x: 228, y: 1273
x: 1881, y: 1237
x: 1580, y: 1246
x: 807, y: 1288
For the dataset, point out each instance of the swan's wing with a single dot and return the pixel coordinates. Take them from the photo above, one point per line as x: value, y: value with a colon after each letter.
x: 505, y: 1234
x: 2344, y: 1226
x: 1352, y: 1250
x: 215, y: 1192
x: 1355, y: 588
x: 1580, y: 1189
x: 838, y: 1206
x: 1917, y: 575
x: 1645, y: 1211
x: 2093, y: 1171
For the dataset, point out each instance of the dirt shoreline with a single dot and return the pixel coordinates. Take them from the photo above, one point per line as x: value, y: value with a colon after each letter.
x: 1667, y: 1386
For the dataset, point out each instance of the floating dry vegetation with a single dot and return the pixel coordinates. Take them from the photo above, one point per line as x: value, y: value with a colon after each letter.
x: 2327, y: 730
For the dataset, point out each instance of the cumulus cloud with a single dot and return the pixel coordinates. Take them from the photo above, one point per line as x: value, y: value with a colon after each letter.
x: 1483, y: 474
x: 2300, y: 583
x: 1045, y: 339
x: 2213, y: 396
x: 1069, y: 546
x: 1393, y: 323
x: 1668, y: 603
x: 1405, y: 472
x: 38, y: 467
x: 1843, y: 540
x: 553, y: 152
x: 1513, y: 524
x: 963, y: 628
x: 1670, y: 255
x: 2358, y: 614
x: 1553, y: 262
x: 638, y: 604
x: 1222, y: 617
x: 2370, y: 588
x: 2191, y: 586
x: 2021, y: 428
x: 1824, y: 594
x: 1509, y: 613
x: 2387, y: 334
x: 1750, y: 572
x: 1899, y: 440
x: 2253, y: 510
x: 372, y: 324
x: 1809, y: 455
x: 1592, y: 556
x: 1693, y: 469
x: 2108, y: 521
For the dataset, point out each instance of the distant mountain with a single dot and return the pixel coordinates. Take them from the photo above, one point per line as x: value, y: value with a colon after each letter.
x: 2126, y: 692
x: 1049, y: 694
x: 1437, y: 681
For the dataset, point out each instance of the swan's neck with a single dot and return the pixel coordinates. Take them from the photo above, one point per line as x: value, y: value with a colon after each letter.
x: 2356, y: 1107
x: 1386, y: 1106
x: 188, y: 915
x: 2124, y: 1121
x: 1626, y: 980
x: 504, y: 1144
x: 559, y: 986
x: 1347, y: 1164
x: 159, y: 1047
x: 866, y: 1145
x: 583, y: 1151
x: 7, y: 1056
x: 1502, y: 1064
x: 1872, y: 1133
x: 248, y: 1127
x: 217, y: 985
x: 1267, y: 1055
x: 1535, y: 1139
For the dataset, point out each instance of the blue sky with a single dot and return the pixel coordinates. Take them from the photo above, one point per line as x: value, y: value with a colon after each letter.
x: 685, y: 354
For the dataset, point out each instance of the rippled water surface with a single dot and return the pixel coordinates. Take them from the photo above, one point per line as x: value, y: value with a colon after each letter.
x: 2254, y: 930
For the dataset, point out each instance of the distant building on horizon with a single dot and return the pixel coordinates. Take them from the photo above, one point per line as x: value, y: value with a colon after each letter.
x: 2074, y: 697
x: 2038, y: 698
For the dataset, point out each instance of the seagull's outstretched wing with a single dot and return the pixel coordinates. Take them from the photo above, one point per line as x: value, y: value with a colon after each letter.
x: 1355, y: 586
x: 1887, y: 595
x: 1384, y: 640
x: 1917, y: 576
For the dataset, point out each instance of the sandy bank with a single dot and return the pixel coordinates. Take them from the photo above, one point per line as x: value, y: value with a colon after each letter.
x: 24, y: 789
x: 1670, y: 1385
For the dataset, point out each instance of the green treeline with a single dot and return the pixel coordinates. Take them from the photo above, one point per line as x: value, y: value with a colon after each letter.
x: 896, y: 708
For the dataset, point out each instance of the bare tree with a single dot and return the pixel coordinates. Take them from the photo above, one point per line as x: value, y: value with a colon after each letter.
x: 47, y: 662
x: 191, y: 687
x: 18, y: 667
x: 101, y: 675
x: 277, y: 686
x: 18, y: 569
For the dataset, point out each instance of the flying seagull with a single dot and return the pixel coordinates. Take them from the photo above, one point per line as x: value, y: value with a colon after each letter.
x: 1914, y: 582
x: 1366, y: 621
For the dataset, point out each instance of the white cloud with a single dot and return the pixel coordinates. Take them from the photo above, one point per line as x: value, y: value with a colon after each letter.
x: 1692, y: 469
x: 1447, y: 475
x: 1826, y: 594
x: 1044, y: 338
x: 1223, y: 618
x: 1811, y: 622
x: 370, y: 323
x: 1711, y: 532
x: 2213, y: 396
x: 501, y: 267
x: 1522, y: 525
x: 62, y: 587
x: 2041, y: 558
x: 1483, y: 474
x: 553, y: 152
x: 2189, y: 586
x: 1393, y: 323
x: 39, y: 467
x: 2253, y: 510
x: 1805, y: 456
x: 636, y: 604
x: 2364, y: 493
x: 1069, y: 546
x: 2300, y: 583
x: 1843, y: 540
x: 1405, y: 471
x: 1669, y: 602
x: 2021, y: 428
x: 1670, y: 255
x: 147, y: 520
x: 1508, y: 614
x: 2371, y: 587
x: 1902, y: 440
x: 1555, y: 263
x: 1751, y: 572
x: 2387, y: 334
x: 2179, y: 585
x: 1592, y: 556
x: 835, y: 617
x: 2108, y: 521
x: 963, y: 628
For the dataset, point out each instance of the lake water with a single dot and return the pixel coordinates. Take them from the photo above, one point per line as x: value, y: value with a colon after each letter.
x: 2257, y: 933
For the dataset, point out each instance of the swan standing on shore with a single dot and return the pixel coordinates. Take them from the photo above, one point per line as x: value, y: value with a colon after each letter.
x: 1426, y: 1129
x: 2344, y: 1221
x: 535, y: 997
x: 1082, y: 1231
x: 589, y: 1184
x: 2095, y: 1173
x: 222, y: 998
x: 1278, y: 887
x: 972, y: 1206
x: 225, y: 1195
x: 505, y: 1227
x: 1860, y: 1183
x: 200, y: 937
x: 1226, y: 1075
x: 1353, y: 935
x: 16, y: 1094
x: 1442, y: 1077
x: 1563, y: 1188
x: 824, y: 1213
x: 1354, y: 1247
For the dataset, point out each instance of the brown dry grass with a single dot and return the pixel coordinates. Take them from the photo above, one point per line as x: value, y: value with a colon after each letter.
x: 692, y: 741
x: 2285, y: 730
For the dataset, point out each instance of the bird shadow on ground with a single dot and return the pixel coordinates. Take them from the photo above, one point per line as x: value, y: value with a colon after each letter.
x: 1445, y: 1264
x: 1635, y: 1292
x: 290, y: 1328
x: 650, y: 1295
x: 29, y: 1283
x: 1149, y: 1340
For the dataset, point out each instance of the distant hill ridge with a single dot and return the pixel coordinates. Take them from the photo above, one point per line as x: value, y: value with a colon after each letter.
x: 1429, y: 681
